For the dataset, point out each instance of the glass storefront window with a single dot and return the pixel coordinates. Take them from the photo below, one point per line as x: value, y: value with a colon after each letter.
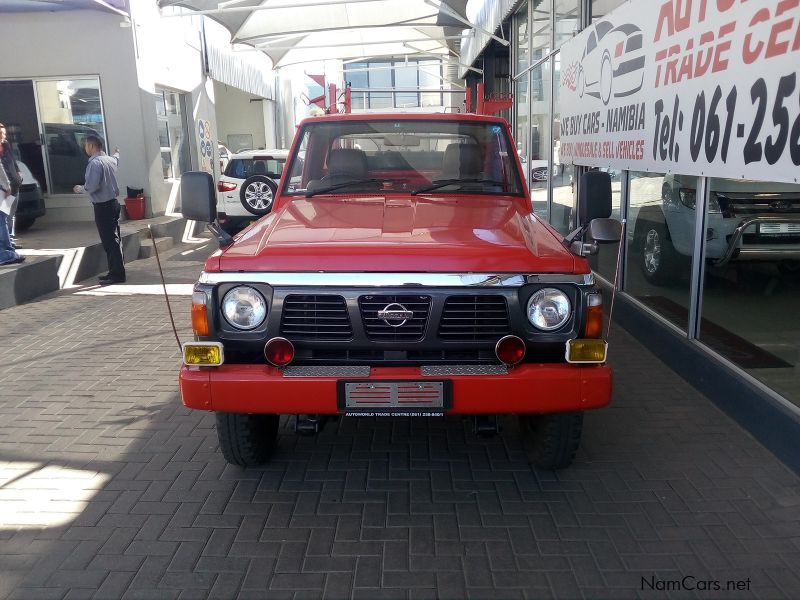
x: 173, y: 133
x: 405, y: 76
x: 380, y: 77
x: 521, y: 136
x: 538, y: 164
x: 541, y: 29
x: 70, y: 109
x: 660, y: 243
x: 600, y: 8
x: 521, y: 40
x: 430, y: 72
x: 749, y: 310
x: 357, y: 77
x: 567, y: 19
x: 562, y: 175
x: 412, y: 77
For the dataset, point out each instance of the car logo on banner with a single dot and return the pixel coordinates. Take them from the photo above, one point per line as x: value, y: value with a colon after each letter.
x: 395, y: 315
x: 613, y: 62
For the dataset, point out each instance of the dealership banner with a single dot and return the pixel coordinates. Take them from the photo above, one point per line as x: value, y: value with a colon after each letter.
x: 700, y: 87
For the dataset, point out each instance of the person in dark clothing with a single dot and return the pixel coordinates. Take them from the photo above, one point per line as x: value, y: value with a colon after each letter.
x: 8, y: 256
x: 101, y: 185
x: 9, y: 164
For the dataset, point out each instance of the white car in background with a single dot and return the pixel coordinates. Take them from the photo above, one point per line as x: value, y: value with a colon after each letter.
x: 247, y: 187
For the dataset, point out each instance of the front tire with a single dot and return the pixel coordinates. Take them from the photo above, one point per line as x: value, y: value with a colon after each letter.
x: 552, y: 439
x: 660, y: 262
x: 247, y: 440
x: 23, y: 223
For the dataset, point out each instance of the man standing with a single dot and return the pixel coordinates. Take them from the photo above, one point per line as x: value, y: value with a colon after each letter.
x: 101, y: 185
x: 9, y: 163
x: 8, y: 255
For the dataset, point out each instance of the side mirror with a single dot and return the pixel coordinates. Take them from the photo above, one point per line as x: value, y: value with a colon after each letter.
x: 594, y: 197
x: 605, y: 231
x: 198, y: 201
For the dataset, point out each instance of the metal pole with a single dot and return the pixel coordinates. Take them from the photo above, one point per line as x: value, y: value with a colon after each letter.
x: 698, y: 259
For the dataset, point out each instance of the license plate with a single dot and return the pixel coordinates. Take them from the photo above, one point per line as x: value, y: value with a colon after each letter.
x: 779, y: 228
x: 393, y: 397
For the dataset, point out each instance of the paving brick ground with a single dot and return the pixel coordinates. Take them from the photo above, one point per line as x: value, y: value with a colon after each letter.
x: 109, y: 488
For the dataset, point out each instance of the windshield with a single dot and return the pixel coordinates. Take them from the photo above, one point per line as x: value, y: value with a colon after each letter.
x: 403, y: 156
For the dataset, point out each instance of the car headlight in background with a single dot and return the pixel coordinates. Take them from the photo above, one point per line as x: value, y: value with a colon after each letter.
x: 244, y: 307
x: 688, y: 197
x: 549, y: 309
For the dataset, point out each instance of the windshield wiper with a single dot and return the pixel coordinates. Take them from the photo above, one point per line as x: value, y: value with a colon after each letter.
x: 336, y: 186
x: 445, y: 182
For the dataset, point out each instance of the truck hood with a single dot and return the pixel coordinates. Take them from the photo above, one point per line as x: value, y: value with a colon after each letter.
x: 400, y: 234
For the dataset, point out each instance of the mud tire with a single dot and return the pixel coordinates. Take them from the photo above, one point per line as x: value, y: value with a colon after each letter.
x: 247, y: 440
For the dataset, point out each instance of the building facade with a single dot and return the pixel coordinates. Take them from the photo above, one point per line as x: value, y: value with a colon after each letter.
x: 168, y: 91
x: 711, y: 203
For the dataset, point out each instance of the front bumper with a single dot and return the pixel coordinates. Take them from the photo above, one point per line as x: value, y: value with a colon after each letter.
x: 527, y: 388
x: 731, y: 246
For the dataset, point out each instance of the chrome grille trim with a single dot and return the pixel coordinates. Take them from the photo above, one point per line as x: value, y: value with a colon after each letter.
x: 326, y: 371
x: 320, y: 279
x: 444, y: 370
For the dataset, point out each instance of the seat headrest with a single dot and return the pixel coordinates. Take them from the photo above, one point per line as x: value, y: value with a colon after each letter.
x: 259, y: 168
x: 462, y: 160
x: 349, y: 162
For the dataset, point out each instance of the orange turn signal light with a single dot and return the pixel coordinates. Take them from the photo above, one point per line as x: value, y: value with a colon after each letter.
x: 199, y: 314
x: 594, y: 317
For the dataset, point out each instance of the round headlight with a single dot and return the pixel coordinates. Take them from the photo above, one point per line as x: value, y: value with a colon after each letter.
x: 244, y: 307
x: 548, y: 309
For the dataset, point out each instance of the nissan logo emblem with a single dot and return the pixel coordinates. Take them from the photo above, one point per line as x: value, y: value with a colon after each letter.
x: 780, y: 205
x: 395, y: 315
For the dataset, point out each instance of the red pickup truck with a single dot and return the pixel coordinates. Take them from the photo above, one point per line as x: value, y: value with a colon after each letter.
x: 401, y: 272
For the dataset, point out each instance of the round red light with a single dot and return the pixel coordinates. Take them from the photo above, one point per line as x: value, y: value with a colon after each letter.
x: 279, y: 352
x: 510, y: 350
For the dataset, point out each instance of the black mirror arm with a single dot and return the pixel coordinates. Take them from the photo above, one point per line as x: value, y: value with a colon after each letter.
x: 574, y: 235
x: 224, y: 239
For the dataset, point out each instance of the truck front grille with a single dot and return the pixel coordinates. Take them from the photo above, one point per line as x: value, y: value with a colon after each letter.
x: 315, y: 317
x: 474, y: 319
x: 379, y: 330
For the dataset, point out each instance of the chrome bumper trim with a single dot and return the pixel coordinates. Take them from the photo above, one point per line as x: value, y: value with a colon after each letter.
x: 326, y: 279
x: 326, y: 371
x: 444, y: 370
x: 757, y: 254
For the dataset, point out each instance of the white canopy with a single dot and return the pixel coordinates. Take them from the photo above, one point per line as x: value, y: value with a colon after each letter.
x: 115, y: 6
x: 295, y: 31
